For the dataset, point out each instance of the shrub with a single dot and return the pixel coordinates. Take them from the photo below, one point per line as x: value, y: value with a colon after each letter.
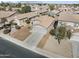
x: 61, y: 33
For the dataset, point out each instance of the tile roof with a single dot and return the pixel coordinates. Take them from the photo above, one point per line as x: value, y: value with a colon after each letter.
x: 6, y: 13
x: 25, y: 15
x: 45, y: 20
x: 69, y: 17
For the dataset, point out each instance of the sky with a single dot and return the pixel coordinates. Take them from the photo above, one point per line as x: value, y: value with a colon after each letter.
x: 39, y: 0
x: 47, y: 1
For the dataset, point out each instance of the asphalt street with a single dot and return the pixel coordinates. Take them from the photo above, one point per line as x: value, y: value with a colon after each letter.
x: 11, y: 50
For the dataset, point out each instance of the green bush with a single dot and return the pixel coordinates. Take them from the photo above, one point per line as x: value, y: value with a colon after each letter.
x: 26, y: 9
x: 61, y: 33
x: 51, y: 6
x: 6, y: 31
x: 27, y: 21
x: 17, y: 27
x: 69, y: 34
x: 52, y: 32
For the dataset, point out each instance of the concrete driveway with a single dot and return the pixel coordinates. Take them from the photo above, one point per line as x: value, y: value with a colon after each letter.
x: 37, y: 34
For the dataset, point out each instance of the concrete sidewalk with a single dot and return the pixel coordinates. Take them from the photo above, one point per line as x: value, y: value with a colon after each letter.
x: 22, y: 44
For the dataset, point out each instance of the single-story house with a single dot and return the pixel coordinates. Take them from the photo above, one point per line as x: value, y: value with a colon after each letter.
x: 43, y: 23
x: 24, y: 16
x: 69, y: 19
x: 6, y: 14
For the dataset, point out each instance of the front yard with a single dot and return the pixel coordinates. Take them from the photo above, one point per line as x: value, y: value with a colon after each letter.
x: 22, y: 33
x: 49, y: 44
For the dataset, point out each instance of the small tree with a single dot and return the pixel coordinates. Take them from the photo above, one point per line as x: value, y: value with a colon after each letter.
x: 27, y: 21
x: 61, y: 33
x: 52, y: 32
x: 14, y: 24
x: 8, y: 27
x: 10, y: 8
x: 1, y: 27
x: 26, y: 9
x: 6, y: 31
x: 51, y: 6
x: 3, y: 20
x: 17, y: 27
x: 19, y: 11
x: 69, y: 34
x: 18, y: 5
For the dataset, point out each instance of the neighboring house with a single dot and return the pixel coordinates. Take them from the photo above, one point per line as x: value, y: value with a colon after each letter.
x: 43, y: 23
x: 6, y: 14
x: 76, y: 12
x: 53, y: 13
x: 34, y: 7
x: 70, y: 20
x: 24, y: 16
x: 76, y: 8
x: 64, y: 8
x: 39, y: 9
